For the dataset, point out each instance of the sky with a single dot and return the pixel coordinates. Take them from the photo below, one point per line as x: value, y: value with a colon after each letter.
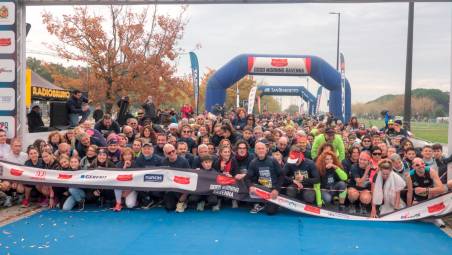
x: 373, y: 39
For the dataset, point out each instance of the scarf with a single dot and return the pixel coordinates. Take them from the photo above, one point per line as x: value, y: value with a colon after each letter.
x: 227, y: 166
x: 385, y: 193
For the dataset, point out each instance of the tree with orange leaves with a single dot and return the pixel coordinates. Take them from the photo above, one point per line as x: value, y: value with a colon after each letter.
x: 124, y: 56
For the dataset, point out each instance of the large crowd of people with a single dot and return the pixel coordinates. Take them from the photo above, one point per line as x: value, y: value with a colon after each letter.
x: 316, y: 159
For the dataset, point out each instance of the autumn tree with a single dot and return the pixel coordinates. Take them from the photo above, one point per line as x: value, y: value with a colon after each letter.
x: 128, y: 53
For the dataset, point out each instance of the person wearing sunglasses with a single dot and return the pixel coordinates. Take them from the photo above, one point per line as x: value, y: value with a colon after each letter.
x: 174, y: 200
x: 386, y: 189
x: 423, y: 183
x: 366, y: 143
x: 376, y: 154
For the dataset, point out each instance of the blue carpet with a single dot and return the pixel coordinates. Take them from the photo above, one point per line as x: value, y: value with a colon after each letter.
x: 232, y: 232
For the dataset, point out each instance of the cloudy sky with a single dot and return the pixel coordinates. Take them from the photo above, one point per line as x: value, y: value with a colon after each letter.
x: 373, y: 40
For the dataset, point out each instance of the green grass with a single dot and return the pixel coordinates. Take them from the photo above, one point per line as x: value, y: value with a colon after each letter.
x: 434, y: 132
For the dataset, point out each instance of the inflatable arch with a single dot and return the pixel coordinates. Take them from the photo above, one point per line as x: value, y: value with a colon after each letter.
x: 290, y: 91
x: 279, y: 65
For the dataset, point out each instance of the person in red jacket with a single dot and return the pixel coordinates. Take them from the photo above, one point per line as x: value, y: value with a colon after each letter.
x: 186, y: 111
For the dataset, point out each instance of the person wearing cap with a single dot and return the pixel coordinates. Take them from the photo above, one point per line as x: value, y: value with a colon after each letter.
x: 302, y: 177
x: 389, y: 131
x: 174, y: 200
x: 331, y: 137
x: 114, y: 153
x: 202, y: 200
x: 147, y: 158
x: 34, y: 120
x: 398, y: 130
x: 75, y: 110
x: 264, y: 170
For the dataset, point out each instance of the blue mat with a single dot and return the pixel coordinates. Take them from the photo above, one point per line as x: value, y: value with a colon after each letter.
x: 232, y: 232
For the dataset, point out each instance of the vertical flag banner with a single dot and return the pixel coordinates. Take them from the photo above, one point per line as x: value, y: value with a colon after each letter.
x: 319, y: 97
x: 342, y: 67
x: 259, y: 104
x: 195, y: 74
x: 251, y: 99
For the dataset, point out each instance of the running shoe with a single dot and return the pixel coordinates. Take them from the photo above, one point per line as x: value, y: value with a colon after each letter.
x: 8, y: 201
x: 217, y: 207
x: 25, y: 203
x: 181, y: 206
x: 44, y: 202
x: 118, y: 207
x: 81, y: 205
x: 257, y: 208
x: 201, y: 205
x: 235, y: 204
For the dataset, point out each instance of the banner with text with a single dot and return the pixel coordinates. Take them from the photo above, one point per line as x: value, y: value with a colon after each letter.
x: 279, y: 66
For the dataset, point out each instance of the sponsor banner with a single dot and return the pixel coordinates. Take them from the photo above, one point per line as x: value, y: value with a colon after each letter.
x: 251, y: 99
x: 7, y: 70
x: 46, y: 93
x: 7, y: 13
x: 7, y: 42
x: 279, y: 66
x: 438, y: 206
x: 8, y: 123
x: 7, y: 99
x: 280, y: 90
x: 205, y: 183
x: 342, y: 85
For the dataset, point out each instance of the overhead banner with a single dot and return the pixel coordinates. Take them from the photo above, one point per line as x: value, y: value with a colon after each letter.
x: 201, y: 182
x: 251, y: 99
x: 195, y: 75
x: 279, y: 66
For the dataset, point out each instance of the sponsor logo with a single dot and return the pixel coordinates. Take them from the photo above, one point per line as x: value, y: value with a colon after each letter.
x: 8, y: 124
x: 15, y: 172
x: 436, y: 207
x: 92, y: 177
x: 407, y: 216
x: 312, y: 209
x: 39, y: 175
x: 7, y: 99
x: 153, y: 178
x: 5, y: 41
x: 65, y: 176
x: 5, y: 70
x: 225, y: 180
x: 124, y: 177
x: 4, y: 12
x: 181, y: 180
x: 278, y: 62
x: 262, y: 194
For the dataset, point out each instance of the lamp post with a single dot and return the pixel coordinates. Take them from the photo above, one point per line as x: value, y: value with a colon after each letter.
x: 338, y: 36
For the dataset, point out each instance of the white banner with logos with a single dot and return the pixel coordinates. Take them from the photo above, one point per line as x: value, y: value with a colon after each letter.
x: 251, y: 99
x: 279, y: 66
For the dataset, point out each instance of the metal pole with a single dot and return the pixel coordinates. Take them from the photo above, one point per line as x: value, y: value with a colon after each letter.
x: 449, y: 133
x: 409, y: 67
x: 21, y: 69
x: 338, y: 38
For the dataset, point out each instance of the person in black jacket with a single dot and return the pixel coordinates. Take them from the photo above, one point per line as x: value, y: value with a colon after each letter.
x: 147, y: 157
x: 75, y: 107
x: 149, y: 109
x: 34, y: 119
x: 98, y: 114
x: 266, y: 171
x: 107, y: 125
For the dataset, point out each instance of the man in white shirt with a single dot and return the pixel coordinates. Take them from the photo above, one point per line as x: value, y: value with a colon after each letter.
x: 15, y: 154
x: 4, y: 147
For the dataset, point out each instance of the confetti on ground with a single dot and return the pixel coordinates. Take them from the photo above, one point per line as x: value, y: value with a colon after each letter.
x: 6, y: 232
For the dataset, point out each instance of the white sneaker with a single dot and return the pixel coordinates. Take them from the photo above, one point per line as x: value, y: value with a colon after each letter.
x: 235, y: 204
x: 257, y: 208
x: 181, y: 206
x: 8, y: 201
x: 217, y: 207
x: 200, y: 206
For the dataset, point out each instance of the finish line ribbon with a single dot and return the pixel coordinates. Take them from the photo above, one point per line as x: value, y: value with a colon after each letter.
x: 201, y: 182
